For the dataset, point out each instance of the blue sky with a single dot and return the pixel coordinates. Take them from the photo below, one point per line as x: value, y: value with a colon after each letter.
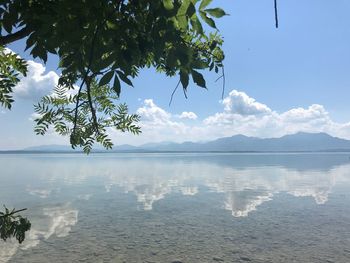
x: 278, y: 81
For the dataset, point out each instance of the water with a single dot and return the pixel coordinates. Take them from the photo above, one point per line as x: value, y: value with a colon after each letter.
x: 179, y: 207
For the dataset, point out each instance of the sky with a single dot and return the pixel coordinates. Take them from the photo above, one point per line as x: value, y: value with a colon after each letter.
x: 278, y: 81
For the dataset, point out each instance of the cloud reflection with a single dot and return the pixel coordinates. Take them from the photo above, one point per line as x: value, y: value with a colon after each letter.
x: 245, y: 181
x: 55, y: 221
x: 244, y: 189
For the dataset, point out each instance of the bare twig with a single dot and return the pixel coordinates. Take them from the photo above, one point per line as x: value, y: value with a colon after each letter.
x: 276, y: 14
x: 14, y: 212
x: 219, y: 78
x: 172, y: 94
x: 223, y: 82
x: 185, y: 93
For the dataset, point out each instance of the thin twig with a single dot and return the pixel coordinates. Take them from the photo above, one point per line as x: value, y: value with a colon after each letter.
x: 172, y: 94
x: 223, y: 82
x: 276, y: 14
x: 14, y: 212
x: 185, y: 93
x: 219, y: 78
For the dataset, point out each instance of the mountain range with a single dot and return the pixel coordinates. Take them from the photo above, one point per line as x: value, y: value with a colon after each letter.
x: 299, y: 142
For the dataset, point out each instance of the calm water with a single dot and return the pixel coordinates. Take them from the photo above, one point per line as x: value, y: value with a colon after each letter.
x: 179, y: 207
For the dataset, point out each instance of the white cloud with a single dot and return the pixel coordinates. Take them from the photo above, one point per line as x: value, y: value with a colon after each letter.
x: 37, y: 83
x: 188, y: 115
x: 157, y: 125
x: 301, y: 115
x: 239, y: 103
x: 255, y: 119
x: 150, y: 112
x: 241, y: 114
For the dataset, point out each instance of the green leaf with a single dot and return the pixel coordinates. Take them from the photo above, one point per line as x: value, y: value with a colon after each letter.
x: 198, y: 79
x: 116, y: 85
x: 124, y: 78
x: 168, y: 4
x: 207, y: 19
x: 191, y: 10
x: 6, y: 22
x: 183, y: 8
x: 30, y: 41
x: 181, y: 14
x: 216, y: 12
x: 196, y: 25
x: 204, y: 4
x: 106, y: 78
x: 184, y: 78
x: 105, y: 61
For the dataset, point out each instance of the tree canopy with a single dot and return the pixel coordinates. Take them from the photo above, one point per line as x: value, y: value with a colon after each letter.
x: 102, y: 45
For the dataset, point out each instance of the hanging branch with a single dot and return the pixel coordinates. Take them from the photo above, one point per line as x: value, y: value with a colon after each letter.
x: 172, y: 94
x: 276, y: 14
x: 91, y: 55
x: 92, y: 109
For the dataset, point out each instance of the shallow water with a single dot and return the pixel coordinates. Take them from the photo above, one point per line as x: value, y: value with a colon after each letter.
x: 179, y: 207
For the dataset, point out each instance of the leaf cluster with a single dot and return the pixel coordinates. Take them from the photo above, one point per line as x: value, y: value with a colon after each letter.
x: 57, y: 111
x: 11, y: 66
x: 12, y: 225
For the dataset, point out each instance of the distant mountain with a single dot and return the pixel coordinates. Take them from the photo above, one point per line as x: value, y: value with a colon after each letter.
x: 240, y: 143
x: 299, y: 142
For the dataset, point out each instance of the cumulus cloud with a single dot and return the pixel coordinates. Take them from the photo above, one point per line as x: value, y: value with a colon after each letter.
x: 37, y: 83
x: 241, y: 114
x: 252, y: 118
x: 157, y: 125
x: 240, y: 103
x: 150, y: 112
x: 188, y: 115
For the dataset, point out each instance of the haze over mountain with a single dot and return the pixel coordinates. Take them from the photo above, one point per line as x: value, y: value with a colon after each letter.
x: 239, y: 143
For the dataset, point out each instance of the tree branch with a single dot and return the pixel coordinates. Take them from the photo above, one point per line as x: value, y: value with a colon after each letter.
x: 84, y: 79
x: 172, y: 94
x: 92, y: 109
x: 14, y: 212
x: 4, y: 40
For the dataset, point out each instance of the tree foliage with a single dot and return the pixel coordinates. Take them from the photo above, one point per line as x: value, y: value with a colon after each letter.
x: 13, y: 225
x: 102, y: 46
x: 11, y: 66
x: 58, y: 111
